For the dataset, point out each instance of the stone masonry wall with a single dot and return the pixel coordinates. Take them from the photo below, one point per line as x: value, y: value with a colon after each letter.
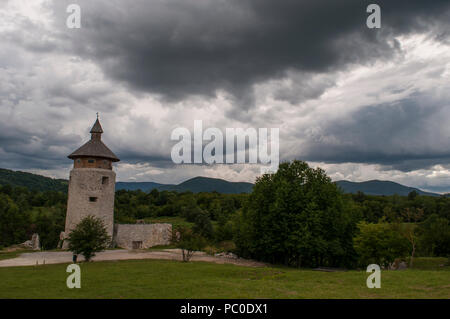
x: 149, y: 234
x: 91, y: 192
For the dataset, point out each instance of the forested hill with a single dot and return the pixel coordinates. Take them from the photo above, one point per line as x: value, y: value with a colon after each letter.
x: 376, y: 187
x: 143, y: 186
x: 206, y: 184
x: 195, y: 185
x: 31, y: 181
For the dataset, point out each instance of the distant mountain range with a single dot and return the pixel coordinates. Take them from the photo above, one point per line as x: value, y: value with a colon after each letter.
x: 196, y: 184
x: 376, y: 187
x: 199, y: 184
x: 206, y: 184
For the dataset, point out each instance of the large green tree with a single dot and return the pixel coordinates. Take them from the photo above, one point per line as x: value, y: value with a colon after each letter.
x: 297, y: 217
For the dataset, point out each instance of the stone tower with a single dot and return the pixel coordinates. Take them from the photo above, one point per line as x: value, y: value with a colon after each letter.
x: 91, y: 183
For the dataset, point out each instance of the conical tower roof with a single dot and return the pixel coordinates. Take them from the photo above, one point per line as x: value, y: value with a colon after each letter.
x: 95, y: 147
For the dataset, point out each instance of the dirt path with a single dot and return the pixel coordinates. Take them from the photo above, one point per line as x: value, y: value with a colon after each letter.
x: 61, y: 257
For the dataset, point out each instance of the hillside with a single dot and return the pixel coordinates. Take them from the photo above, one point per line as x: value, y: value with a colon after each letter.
x: 195, y: 185
x: 144, y: 186
x: 376, y: 187
x: 206, y: 184
x: 31, y: 181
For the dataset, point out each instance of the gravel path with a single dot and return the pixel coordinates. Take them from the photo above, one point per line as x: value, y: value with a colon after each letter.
x: 62, y: 257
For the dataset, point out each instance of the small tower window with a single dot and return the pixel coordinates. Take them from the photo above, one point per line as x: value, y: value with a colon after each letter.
x: 105, y: 180
x: 78, y: 161
x: 92, y: 199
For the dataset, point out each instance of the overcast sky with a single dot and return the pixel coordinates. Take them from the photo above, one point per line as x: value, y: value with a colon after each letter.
x: 361, y: 103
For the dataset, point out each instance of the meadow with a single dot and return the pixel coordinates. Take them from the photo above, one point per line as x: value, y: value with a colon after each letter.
x: 173, y: 279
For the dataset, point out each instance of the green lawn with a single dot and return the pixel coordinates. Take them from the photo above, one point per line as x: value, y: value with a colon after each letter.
x: 172, y: 279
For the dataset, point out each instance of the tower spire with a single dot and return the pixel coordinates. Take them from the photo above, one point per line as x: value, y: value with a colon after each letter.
x: 95, y: 147
x: 96, y: 130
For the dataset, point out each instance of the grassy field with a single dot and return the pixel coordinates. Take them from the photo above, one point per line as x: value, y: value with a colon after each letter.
x: 172, y: 279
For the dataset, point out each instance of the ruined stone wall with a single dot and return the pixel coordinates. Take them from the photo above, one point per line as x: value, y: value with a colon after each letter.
x: 149, y: 234
x: 91, y: 192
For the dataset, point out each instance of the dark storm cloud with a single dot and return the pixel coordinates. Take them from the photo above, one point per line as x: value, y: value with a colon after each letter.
x: 20, y: 148
x: 54, y: 79
x: 134, y: 157
x: 406, y: 135
x: 178, y: 48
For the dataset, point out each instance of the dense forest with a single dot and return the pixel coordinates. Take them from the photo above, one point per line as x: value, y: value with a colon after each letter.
x: 230, y: 217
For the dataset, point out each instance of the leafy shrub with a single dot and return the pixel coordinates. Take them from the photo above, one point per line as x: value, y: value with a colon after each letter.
x: 188, y: 242
x: 379, y: 244
x: 211, y: 250
x: 88, y: 237
x: 226, y: 246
